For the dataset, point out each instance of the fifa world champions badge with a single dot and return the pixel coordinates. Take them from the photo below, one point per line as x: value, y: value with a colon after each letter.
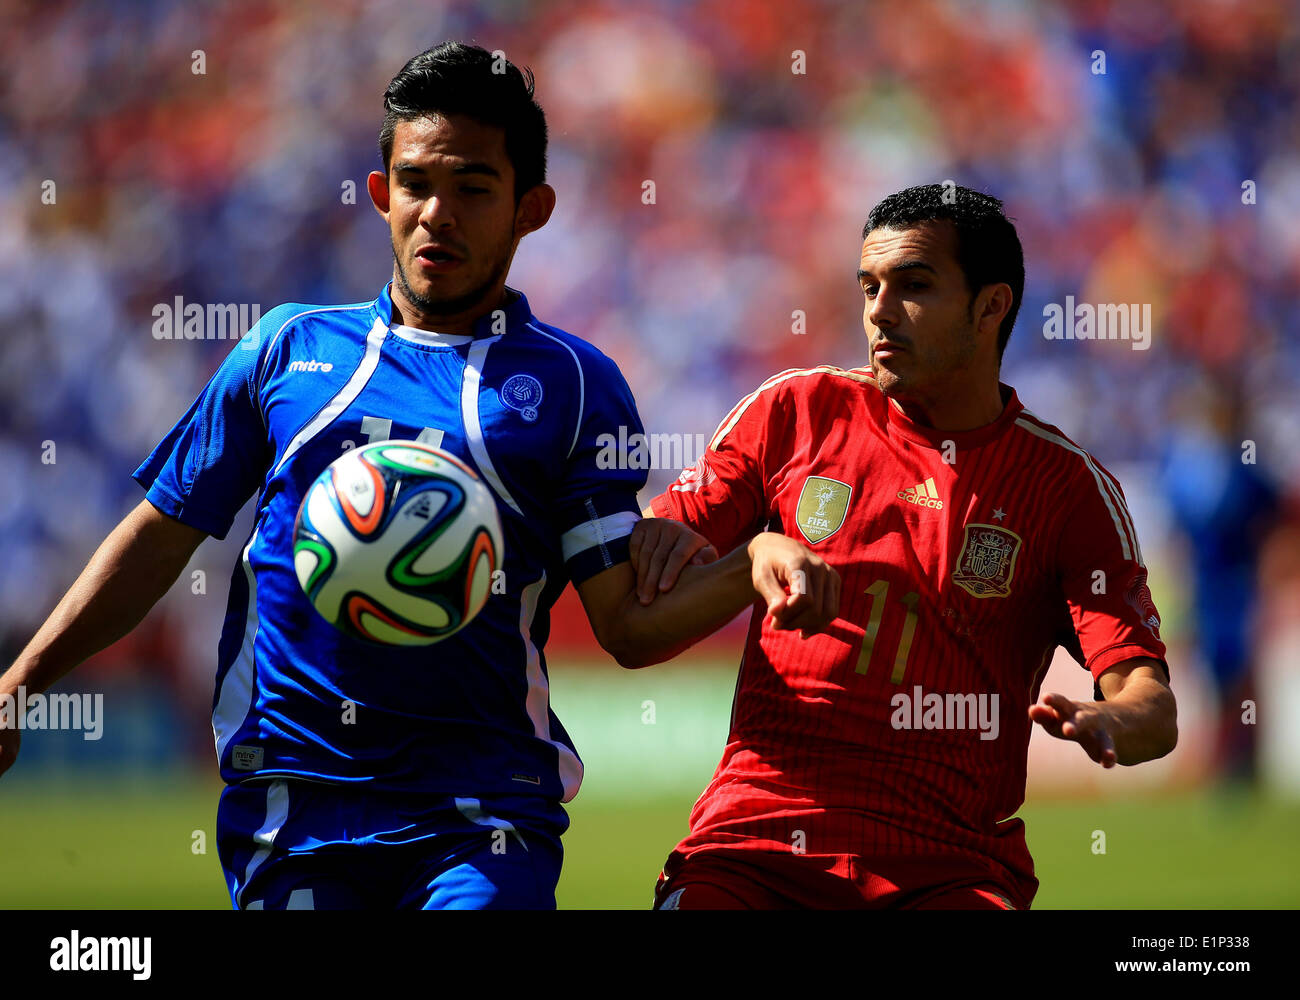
x: 522, y: 393
x: 823, y: 504
x: 987, y: 560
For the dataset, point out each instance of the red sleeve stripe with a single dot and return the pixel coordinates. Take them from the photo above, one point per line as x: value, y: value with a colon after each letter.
x: 1108, y: 490
x: 739, y: 410
x: 729, y: 421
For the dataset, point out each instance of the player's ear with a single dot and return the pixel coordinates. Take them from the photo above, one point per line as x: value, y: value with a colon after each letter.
x: 377, y: 188
x: 991, y: 306
x: 534, y: 209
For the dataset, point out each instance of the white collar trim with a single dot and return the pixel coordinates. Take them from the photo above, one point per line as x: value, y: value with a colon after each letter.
x: 430, y: 338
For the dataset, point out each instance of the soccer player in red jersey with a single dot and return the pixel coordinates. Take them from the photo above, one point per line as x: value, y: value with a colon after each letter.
x: 877, y: 762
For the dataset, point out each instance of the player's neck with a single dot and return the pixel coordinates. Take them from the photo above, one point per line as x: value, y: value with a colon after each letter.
x: 405, y: 313
x: 954, y: 411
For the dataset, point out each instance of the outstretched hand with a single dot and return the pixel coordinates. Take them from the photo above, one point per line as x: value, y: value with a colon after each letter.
x: 1082, y: 722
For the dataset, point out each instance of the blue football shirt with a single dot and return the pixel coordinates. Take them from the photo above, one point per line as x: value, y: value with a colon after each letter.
x: 527, y: 406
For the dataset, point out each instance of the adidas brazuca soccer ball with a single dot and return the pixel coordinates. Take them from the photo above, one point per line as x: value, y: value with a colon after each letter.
x: 397, y: 543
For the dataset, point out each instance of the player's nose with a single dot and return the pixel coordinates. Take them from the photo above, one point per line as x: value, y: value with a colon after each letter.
x: 879, y: 316
x: 437, y: 213
x: 885, y: 310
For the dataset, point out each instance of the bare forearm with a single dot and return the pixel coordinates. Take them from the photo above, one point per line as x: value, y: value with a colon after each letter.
x: 799, y: 589
x: 1143, y: 721
x: 705, y: 598
x: 129, y: 572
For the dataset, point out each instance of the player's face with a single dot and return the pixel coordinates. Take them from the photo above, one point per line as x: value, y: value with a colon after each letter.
x: 919, y: 317
x: 450, y: 204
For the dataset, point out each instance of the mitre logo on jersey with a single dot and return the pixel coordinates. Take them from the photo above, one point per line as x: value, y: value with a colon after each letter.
x: 987, y: 560
x: 822, y: 506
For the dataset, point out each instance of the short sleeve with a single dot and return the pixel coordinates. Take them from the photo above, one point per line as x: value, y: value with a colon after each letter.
x: 1103, y: 577
x: 596, y: 504
x: 216, y: 456
x: 724, y: 497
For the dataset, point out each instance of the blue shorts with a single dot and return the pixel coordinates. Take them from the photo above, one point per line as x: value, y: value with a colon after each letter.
x: 300, y: 845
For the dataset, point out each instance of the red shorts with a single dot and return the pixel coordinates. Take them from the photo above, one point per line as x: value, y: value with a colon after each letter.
x: 724, y: 879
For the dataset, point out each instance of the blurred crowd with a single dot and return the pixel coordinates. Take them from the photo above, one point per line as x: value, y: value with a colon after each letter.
x: 1148, y: 153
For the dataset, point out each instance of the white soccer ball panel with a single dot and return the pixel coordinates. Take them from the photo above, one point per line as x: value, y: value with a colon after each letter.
x: 480, y: 585
x: 353, y: 480
x: 362, y: 565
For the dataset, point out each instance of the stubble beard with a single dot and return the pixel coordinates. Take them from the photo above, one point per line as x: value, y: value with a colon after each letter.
x: 886, y: 381
x: 437, y: 308
x: 899, y: 387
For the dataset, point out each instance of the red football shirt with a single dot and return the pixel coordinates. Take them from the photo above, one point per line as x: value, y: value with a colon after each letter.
x: 966, y: 559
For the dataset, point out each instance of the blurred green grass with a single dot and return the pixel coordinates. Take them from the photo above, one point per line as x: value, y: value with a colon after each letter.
x: 127, y: 845
x: 1186, y: 851
x: 650, y: 740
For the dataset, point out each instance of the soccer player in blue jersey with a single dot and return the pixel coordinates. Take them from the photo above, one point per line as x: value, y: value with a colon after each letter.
x: 434, y: 777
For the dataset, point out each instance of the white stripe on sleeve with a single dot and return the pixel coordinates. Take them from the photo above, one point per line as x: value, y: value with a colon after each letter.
x: 598, y: 532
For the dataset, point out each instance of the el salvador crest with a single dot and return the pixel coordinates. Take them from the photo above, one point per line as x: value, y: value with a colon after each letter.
x: 987, y: 560
x: 823, y: 503
x: 522, y: 393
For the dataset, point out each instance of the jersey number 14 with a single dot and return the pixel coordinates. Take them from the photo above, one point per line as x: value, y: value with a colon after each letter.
x: 381, y: 429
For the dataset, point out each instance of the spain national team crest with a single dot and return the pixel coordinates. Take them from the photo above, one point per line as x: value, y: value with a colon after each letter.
x: 987, y: 560
x: 823, y: 503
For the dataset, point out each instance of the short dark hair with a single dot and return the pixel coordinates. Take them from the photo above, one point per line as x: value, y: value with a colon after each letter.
x: 988, y: 247
x: 458, y: 79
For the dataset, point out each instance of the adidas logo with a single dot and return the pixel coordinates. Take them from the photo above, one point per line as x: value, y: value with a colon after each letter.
x: 923, y: 495
x: 421, y: 508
